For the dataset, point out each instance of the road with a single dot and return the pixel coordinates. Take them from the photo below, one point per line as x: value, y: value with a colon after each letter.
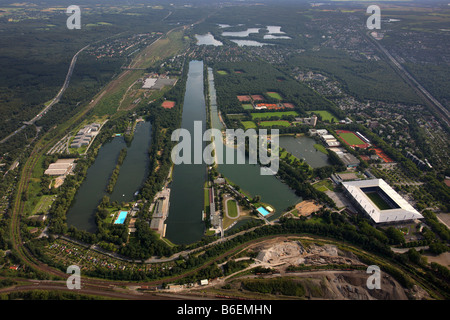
x: 412, y: 81
x: 55, y: 100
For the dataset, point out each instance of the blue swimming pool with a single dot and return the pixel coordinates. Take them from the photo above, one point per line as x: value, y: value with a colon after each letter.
x: 263, y: 211
x: 121, y: 218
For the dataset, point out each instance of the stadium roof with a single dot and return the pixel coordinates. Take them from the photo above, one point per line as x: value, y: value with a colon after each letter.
x: 404, y: 212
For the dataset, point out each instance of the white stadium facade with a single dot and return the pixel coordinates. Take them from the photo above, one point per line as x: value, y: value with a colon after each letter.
x: 391, y: 207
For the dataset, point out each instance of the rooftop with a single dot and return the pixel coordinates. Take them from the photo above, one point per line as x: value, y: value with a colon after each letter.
x: 403, y: 210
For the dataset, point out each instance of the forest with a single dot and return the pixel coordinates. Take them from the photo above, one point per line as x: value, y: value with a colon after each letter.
x: 258, y: 78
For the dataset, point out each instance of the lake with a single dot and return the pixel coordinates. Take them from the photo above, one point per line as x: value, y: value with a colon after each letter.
x: 207, y: 39
x: 133, y: 172
x: 303, y: 148
x: 247, y: 176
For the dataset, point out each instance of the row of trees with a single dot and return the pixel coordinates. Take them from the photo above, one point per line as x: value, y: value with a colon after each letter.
x: 116, y: 171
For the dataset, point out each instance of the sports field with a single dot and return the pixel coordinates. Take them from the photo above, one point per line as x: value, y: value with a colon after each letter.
x: 326, y: 115
x: 232, y: 210
x: 351, y: 139
x: 243, y: 98
x: 222, y: 72
x: 378, y: 201
x: 275, y: 95
x: 168, y: 104
x: 248, y: 125
x: 247, y: 106
x: 267, y: 115
x: 282, y: 123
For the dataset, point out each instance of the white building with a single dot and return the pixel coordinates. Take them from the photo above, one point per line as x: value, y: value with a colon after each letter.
x: 399, y: 209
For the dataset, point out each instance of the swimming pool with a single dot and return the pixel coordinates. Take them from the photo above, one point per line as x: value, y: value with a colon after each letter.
x: 263, y: 211
x: 121, y: 218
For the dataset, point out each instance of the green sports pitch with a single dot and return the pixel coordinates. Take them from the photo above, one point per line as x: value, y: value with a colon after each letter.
x: 266, y: 115
x: 351, y: 138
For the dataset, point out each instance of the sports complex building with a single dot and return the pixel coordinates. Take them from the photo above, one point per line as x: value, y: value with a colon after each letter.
x: 379, y: 201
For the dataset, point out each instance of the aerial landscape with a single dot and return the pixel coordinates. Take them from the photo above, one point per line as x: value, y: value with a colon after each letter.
x: 223, y: 151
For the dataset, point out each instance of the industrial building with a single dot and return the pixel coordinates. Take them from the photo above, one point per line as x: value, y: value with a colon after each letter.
x: 376, y: 199
x: 349, y: 160
x: 161, y: 211
x: 61, y: 167
x: 85, y: 135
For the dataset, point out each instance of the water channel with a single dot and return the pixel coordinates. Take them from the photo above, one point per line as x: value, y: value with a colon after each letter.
x: 133, y: 172
x: 184, y: 223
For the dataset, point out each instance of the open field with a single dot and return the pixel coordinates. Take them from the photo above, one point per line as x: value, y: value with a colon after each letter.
x: 44, y: 204
x: 275, y: 95
x: 324, y: 185
x: 266, y: 115
x: 247, y: 106
x: 321, y: 148
x: 117, y: 92
x: 232, y: 210
x: 326, y: 115
x: 248, y: 125
x: 282, y: 123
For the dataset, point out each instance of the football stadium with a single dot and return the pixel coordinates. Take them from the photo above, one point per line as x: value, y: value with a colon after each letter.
x: 379, y: 201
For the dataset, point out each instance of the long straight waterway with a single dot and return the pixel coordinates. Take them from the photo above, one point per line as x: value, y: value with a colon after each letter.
x: 133, y: 172
x: 184, y: 223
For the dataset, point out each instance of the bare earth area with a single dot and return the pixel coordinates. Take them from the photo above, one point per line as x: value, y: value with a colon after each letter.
x: 335, y: 283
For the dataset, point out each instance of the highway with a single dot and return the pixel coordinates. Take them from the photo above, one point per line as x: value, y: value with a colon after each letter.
x: 413, y: 82
x: 55, y: 100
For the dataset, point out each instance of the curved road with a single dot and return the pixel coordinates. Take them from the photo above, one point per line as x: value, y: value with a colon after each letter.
x: 55, y: 100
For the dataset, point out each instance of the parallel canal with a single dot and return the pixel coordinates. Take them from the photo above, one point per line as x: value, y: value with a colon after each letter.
x: 271, y: 190
x: 132, y: 174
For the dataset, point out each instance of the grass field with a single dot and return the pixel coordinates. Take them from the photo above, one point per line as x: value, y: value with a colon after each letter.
x: 282, y: 123
x: 275, y: 95
x: 378, y: 201
x: 284, y: 154
x: 324, y: 185
x: 247, y: 106
x: 222, y: 72
x: 351, y: 138
x: 266, y: 115
x: 326, y: 115
x: 249, y: 125
x: 232, y: 210
x: 206, y: 198
x: 43, y: 205
x: 321, y: 148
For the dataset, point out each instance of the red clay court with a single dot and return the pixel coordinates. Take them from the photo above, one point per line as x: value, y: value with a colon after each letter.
x: 168, y: 104
x: 243, y: 98
x: 257, y: 97
x: 383, y: 155
x: 289, y: 105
